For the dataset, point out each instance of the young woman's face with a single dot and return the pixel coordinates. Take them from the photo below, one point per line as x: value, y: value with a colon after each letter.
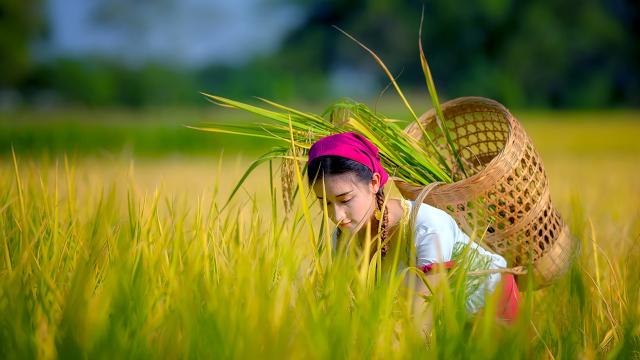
x: 350, y: 202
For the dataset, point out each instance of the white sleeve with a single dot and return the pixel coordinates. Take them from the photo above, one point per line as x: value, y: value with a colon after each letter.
x: 433, y: 245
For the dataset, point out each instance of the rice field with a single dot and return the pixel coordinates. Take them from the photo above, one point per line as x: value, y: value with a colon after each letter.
x: 114, y: 254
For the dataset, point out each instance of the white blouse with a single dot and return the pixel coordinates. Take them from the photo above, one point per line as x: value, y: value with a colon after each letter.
x: 437, y: 238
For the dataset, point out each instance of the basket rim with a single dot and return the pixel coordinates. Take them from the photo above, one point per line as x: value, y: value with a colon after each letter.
x: 431, y: 113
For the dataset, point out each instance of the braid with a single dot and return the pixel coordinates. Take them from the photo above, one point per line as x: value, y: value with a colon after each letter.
x: 385, y: 222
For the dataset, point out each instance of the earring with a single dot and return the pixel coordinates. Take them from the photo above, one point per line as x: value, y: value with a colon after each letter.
x: 378, y: 214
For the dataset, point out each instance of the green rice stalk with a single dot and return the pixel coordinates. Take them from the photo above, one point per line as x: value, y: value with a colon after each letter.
x: 273, y: 154
x: 392, y: 79
x: 303, y: 199
x: 401, y: 154
x: 434, y: 99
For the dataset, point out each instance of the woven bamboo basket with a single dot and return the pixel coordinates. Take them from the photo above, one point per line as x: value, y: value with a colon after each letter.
x: 503, y: 195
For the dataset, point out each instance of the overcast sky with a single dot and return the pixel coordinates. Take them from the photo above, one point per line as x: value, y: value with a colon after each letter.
x: 191, y: 32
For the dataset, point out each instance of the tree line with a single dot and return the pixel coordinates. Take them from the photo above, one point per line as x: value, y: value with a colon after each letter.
x: 543, y: 53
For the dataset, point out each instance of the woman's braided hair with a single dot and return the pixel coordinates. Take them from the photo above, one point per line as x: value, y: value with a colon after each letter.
x: 385, y: 224
x: 335, y: 165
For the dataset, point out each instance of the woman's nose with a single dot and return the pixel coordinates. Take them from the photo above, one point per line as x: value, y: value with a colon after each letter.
x: 338, y: 213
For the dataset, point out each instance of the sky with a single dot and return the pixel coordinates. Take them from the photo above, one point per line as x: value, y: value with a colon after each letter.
x: 187, y: 32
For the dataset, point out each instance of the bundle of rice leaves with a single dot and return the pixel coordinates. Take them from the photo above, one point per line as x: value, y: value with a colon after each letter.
x: 401, y: 155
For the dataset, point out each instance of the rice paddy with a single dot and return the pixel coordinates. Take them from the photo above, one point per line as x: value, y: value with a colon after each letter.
x: 124, y: 255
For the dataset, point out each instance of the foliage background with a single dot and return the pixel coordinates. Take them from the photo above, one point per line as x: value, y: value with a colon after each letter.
x: 560, y: 54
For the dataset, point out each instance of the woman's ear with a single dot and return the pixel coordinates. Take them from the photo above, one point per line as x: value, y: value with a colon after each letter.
x: 375, y: 183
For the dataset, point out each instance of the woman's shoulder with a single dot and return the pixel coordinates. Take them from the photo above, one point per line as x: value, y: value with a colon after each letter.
x: 432, y: 220
x: 429, y: 216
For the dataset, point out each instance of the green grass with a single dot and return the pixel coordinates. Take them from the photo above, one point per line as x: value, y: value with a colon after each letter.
x: 154, y: 132
x: 161, y: 131
x: 108, y: 256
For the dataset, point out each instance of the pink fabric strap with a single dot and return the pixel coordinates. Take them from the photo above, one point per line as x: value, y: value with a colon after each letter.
x: 352, y: 146
x: 445, y: 265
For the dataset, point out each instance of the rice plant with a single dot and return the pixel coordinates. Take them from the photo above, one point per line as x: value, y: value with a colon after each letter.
x: 113, y: 272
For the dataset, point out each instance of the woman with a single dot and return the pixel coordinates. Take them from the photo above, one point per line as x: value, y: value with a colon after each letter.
x: 345, y: 171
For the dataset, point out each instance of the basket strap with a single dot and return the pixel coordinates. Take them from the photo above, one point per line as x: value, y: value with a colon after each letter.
x: 419, y: 200
x: 517, y: 270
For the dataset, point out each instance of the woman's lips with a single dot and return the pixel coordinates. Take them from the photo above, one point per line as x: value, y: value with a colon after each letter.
x: 344, y: 224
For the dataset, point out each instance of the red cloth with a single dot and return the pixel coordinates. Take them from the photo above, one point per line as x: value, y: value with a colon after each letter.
x: 445, y: 265
x: 352, y: 146
x: 509, y: 303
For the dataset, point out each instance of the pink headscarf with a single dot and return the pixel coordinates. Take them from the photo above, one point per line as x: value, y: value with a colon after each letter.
x: 351, y: 146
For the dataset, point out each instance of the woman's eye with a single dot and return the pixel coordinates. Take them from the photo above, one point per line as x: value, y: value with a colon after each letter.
x: 345, y: 201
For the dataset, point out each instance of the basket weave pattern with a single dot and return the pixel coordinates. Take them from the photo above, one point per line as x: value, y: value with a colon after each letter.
x: 502, y: 196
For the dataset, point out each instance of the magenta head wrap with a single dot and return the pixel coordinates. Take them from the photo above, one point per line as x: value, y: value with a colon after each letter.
x: 351, y: 146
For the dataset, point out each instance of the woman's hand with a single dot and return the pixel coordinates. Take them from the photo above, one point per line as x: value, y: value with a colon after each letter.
x: 422, y: 310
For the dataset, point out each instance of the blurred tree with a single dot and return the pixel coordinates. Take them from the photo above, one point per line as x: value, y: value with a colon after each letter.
x: 524, y: 53
x: 264, y: 77
x: 20, y: 23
